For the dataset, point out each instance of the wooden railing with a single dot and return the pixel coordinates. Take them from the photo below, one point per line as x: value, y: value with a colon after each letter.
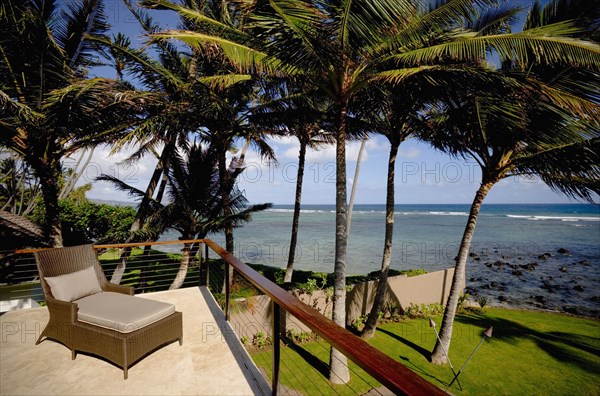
x: 386, y: 370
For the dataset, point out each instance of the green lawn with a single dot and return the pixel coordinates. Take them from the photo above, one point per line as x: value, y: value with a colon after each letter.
x: 530, y: 353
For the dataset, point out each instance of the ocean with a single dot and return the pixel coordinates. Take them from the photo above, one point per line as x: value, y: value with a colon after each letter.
x: 543, y: 256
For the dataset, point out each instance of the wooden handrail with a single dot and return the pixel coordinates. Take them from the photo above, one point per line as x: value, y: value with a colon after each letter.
x: 383, y: 368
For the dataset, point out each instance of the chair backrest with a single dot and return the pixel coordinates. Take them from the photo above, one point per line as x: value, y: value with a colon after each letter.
x: 61, y: 261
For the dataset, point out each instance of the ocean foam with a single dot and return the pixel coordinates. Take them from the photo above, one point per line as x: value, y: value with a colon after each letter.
x: 561, y: 218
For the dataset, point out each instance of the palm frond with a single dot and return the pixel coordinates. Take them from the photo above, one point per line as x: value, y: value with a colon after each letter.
x: 245, y: 58
x: 541, y: 45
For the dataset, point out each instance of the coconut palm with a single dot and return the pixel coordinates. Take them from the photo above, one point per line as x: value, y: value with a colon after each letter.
x: 49, y: 108
x: 548, y: 128
x: 520, y: 135
x: 195, y: 203
x: 343, y: 46
x: 288, y: 111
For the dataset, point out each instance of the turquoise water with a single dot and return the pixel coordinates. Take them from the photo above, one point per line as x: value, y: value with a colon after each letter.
x: 428, y: 236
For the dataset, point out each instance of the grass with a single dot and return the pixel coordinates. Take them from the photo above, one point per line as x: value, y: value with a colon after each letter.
x: 530, y: 353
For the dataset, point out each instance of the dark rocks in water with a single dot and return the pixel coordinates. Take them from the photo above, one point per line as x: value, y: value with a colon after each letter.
x: 472, y: 254
x: 578, y: 287
x: 544, y: 256
x: 570, y: 309
x: 502, y: 298
x: 506, y: 257
x: 470, y: 290
x: 563, y: 269
x: 476, y: 258
x: 513, y: 266
x: 547, y: 286
x: 500, y: 264
x: 517, y: 273
x: 472, y: 280
x: 539, y: 299
x: 595, y: 299
x: 488, y: 264
x: 530, y: 266
x: 584, y: 262
x: 493, y: 284
x: 562, y: 251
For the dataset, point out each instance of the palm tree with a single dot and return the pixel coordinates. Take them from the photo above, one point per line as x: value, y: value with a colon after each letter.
x: 50, y: 109
x: 522, y: 135
x: 547, y: 128
x: 44, y: 50
x: 344, y: 46
x: 287, y: 111
x: 194, y: 207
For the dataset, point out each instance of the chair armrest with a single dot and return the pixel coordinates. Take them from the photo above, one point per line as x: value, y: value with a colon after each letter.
x: 111, y: 287
x: 62, y: 311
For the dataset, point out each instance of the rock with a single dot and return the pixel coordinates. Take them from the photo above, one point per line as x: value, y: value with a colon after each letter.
x: 476, y: 258
x: 493, y: 284
x: 488, y: 264
x: 530, y: 266
x: 544, y: 256
x: 563, y: 269
x: 506, y: 257
x: 539, y: 299
x: 578, y: 288
x: 517, y: 273
x: 570, y: 309
x: 502, y: 298
x: 472, y: 254
x: 500, y: 264
x: 472, y: 280
x: 562, y: 251
x: 584, y: 262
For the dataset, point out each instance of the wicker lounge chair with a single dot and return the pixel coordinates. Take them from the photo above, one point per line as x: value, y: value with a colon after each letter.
x: 89, y: 314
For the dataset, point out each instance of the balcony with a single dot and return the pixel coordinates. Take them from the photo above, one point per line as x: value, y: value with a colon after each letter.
x: 211, y: 361
x: 221, y: 348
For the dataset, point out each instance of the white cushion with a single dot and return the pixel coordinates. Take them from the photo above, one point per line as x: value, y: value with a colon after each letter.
x: 121, y: 312
x: 75, y: 285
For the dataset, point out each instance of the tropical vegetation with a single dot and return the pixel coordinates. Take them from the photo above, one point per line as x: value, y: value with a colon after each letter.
x: 456, y: 74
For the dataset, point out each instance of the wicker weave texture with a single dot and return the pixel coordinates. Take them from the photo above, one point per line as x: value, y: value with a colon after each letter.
x: 122, y: 349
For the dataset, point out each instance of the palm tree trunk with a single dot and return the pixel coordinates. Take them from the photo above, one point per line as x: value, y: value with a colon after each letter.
x: 53, y: 227
x: 355, y: 183
x: 373, y: 318
x: 289, y: 270
x: 438, y: 355
x: 225, y: 197
x: 339, y: 373
x: 140, y: 216
x: 183, y: 266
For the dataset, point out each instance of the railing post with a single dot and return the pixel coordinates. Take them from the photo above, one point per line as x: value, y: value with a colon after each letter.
x: 200, y: 264
x: 276, y: 347
x: 227, y: 290
x: 207, y: 266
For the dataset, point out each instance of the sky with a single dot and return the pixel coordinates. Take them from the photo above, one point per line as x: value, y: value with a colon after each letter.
x: 423, y: 175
